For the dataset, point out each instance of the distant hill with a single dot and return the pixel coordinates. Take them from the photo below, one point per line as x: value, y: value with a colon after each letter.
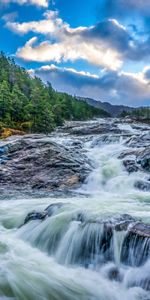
x: 113, y: 110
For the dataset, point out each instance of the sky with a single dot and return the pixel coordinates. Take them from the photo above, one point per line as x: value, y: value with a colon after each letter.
x: 90, y: 48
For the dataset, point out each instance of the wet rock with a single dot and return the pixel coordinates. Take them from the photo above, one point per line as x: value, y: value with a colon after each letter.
x: 94, y: 244
x: 36, y: 162
x: 144, y: 159
x: 114, y: 274
x: 80, y: 217
x: 106, y: 139
x: 143, y: 185
x: 120, y: 223
x: 48, y: 212
x: 130, y: 165
x: 52, y: 208
x: 139, y: 141
x: 136, y: 245
x: 128, y: 153
x: 35, y: 216
x: 141, y: 229
x: 89, y: 128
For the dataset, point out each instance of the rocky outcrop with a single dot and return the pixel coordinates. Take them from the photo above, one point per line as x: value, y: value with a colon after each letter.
x: 88, y: 128
x: 36, y: 162
x: 139, y: 141
x: 137, y: 158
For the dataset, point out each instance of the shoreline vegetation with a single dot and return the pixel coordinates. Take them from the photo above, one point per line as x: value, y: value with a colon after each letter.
x: 28, y: 105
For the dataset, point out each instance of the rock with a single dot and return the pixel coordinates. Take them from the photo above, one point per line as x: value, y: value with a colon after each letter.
x: 114, y: 274
x: 142, y: 185
x: 141, y: 229
x: 136, y: 245
x: 120, y: 223
x: 36, y: 162
x: 6, y: 132
x: 72, y: 181
x: 95, y: 239
x: 139, y: 141
x: 130, y: 165
x: 35, y: 216
x: 48, y: 212
x: 89, y: 128
x: 144, y: 159
x: 128, y: 153
x: 52, y: 208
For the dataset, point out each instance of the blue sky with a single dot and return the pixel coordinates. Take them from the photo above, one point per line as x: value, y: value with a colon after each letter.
x: 91, y: 48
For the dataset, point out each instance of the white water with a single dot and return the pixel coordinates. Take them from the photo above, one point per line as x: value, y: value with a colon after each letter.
x: 47, y: 260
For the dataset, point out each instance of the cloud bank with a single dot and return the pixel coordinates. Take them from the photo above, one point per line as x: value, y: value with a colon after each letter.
x: 106, y: 44
x: 112, y: 86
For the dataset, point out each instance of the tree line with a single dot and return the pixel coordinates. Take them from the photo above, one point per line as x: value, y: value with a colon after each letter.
x: 141, y: 113
x: 28, y: 104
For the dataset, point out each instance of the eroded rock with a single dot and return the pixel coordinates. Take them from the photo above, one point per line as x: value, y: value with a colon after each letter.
x: 36, y: 162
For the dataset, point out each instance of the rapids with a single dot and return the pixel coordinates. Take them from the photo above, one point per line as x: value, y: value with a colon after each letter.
x: 62, y: 257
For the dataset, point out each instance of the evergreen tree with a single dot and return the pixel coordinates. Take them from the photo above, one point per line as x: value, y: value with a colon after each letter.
x: 28, y: 103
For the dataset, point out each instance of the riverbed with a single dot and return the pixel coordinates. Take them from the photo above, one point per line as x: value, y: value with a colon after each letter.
x: 59, y: 258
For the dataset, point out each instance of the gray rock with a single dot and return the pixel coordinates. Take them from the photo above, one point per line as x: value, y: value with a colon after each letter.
x: 139, y: 141
x: 88, y: 128
x: 114, y: 274
x: 36, y: 162
x: 143, y: 185
x: 130, y: 165
x: 144, y: 159
x: 136, y: 245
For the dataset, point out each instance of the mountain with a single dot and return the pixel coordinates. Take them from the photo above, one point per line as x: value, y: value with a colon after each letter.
x: 113, y: 110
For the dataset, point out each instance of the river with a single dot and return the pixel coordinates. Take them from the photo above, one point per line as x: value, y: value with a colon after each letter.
x: 59, y: 258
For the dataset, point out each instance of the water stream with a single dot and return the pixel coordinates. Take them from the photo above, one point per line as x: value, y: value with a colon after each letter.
x: 62, y: 257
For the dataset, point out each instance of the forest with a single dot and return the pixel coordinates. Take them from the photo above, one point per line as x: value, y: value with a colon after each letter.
x: 28, y: 104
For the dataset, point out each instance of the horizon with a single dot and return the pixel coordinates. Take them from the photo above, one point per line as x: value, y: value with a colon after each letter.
x: 94, y: 49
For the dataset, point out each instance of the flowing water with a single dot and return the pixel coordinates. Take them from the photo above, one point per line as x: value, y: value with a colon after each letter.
x: 62, y: 257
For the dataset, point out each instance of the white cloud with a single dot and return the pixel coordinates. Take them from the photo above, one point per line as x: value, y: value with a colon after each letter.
x: 43, y: 3
x: 70, y: 50
x: 64, y: 43
x: 116, y: 87
x: 50, y: 24
x: 106, y: 44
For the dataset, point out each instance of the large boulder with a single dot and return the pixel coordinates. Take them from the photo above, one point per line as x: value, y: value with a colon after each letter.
x: 36, y: 162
